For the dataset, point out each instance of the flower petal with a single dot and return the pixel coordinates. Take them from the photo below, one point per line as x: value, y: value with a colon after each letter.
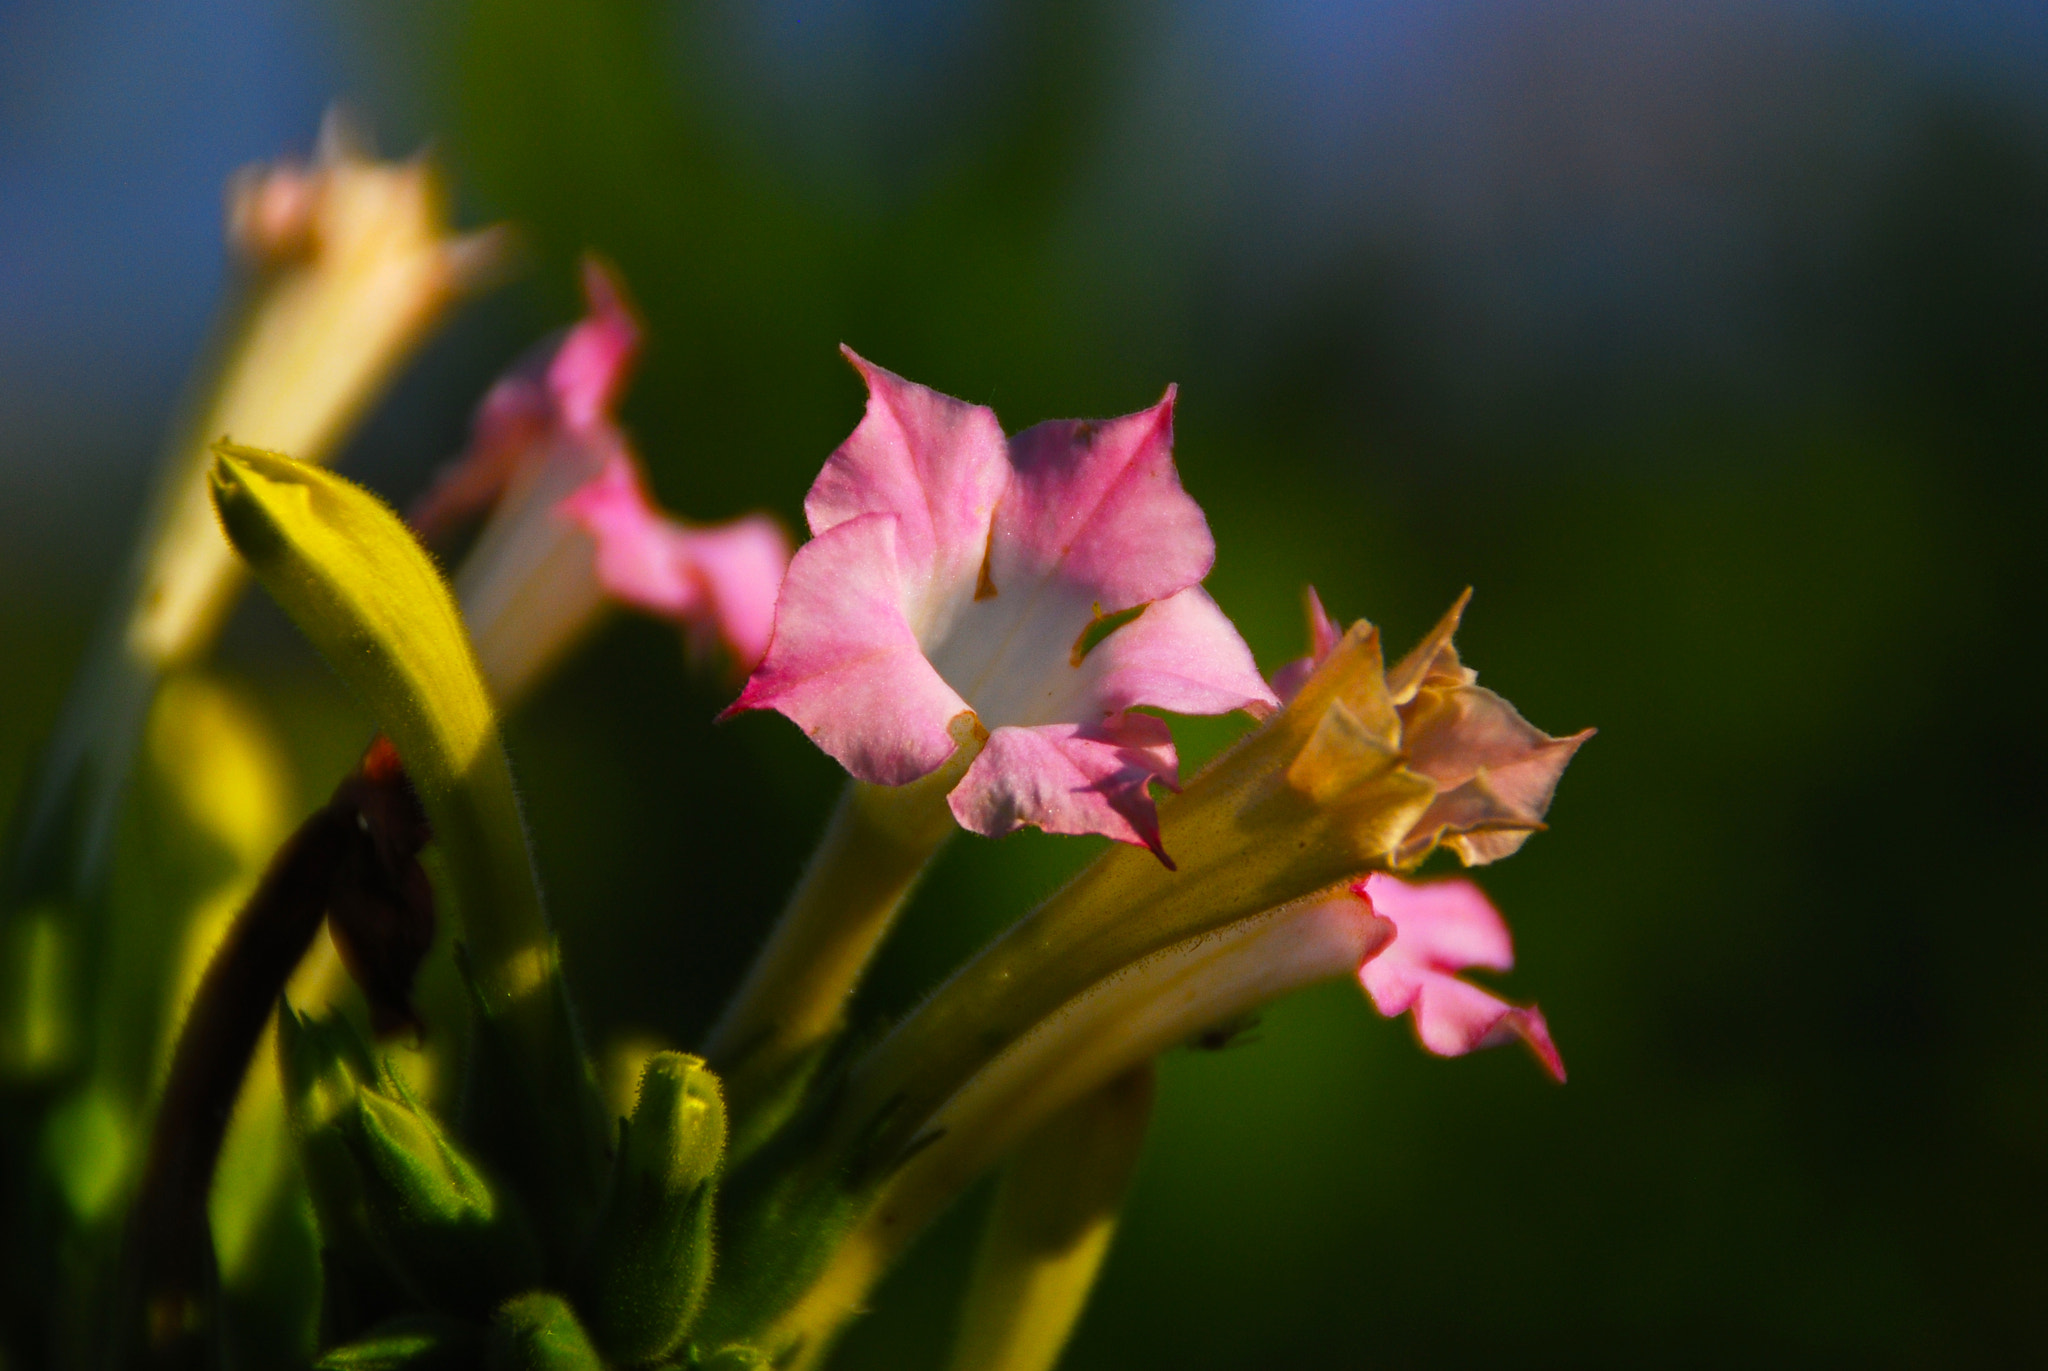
x: 595, y: 359
x: 938, y: 464
x: 562, y: 391
x: 1099, y: 505
x: 721, y: 579
x: 1070, y: 778
x: 1495, y: 771
x: 1442, y: 927
x: 1181, y: 654
x: 843, y: 664
x: 1323, y: 636
x: 741, y: 564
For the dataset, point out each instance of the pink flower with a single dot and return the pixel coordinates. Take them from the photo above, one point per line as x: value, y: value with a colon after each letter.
x: 1024, y: 594
x: 570, y: 521
x: 1440, y: 928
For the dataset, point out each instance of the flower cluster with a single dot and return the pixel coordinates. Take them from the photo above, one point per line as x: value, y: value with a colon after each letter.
x: 985, y: 630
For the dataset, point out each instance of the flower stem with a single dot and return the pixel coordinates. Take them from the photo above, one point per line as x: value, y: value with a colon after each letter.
x: 793, y: 1001
x: 1049, y: 1229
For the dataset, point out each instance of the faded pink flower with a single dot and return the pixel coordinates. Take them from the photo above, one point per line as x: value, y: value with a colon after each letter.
x: 1493, y: 771
x: 1025, y: 594
x: 1441, y: 928
x: 570, y: 522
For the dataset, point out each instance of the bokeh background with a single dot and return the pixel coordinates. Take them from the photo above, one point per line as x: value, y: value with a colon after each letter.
x: 1708, y: 340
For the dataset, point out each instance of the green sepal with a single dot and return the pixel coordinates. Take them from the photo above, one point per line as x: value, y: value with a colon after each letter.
x: 359, y: 585
x: 538, y: 1331
x: 321, y: 1064
x: 650, y: 1262
x: 387, y: 1178
x: 413, y: 1342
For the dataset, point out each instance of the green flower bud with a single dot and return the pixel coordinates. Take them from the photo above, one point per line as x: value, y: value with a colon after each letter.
x: 538, y: 1331
x: 651, y: 1259
x: 431, y: 1214
x: 322, y: 1064
x: 386, y: 1178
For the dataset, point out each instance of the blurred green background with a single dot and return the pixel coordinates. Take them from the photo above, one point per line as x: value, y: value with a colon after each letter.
x: 1709, y: 342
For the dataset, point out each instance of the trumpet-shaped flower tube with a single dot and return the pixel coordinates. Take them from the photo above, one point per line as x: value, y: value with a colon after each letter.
x: 1110, y: 1027
x: 1442, y: 927
x: 571, y: 524
x: 349, y: 263
x: 1045, y: 586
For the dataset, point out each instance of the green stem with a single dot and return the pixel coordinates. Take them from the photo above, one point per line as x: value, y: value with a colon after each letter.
x: 793, y: 1001
x: 1050, y: 1227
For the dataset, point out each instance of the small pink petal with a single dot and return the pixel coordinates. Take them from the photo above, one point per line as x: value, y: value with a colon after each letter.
x: 595, y: 360
x: 1442, y: 927
x: 843, y: 664
x: 939, y: 465
x: 742, y: 564
x: 1070, y: 778
x: 1182, y: 654
x: 1099, y: 505
x: 1323, y: 637
x: 563, y: 390
x: 721, y: 579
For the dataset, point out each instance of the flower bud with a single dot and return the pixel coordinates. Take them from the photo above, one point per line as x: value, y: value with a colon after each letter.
x: 385, y: 1177
x: 539, y: 1332
x: 651, y: 1260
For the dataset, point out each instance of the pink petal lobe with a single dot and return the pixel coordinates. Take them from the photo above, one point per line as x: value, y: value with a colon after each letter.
x: 1070, y: 778
x: 595, y: 359
x: 937, y: 464
x: 718, y: 581
x: 742, y: 564
x: 1323, y: 636
x: 1181, y: 654
x: 554, y: 404
x: 1442, y: 927
x: 843, y: 664
x: 1099, y: 506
